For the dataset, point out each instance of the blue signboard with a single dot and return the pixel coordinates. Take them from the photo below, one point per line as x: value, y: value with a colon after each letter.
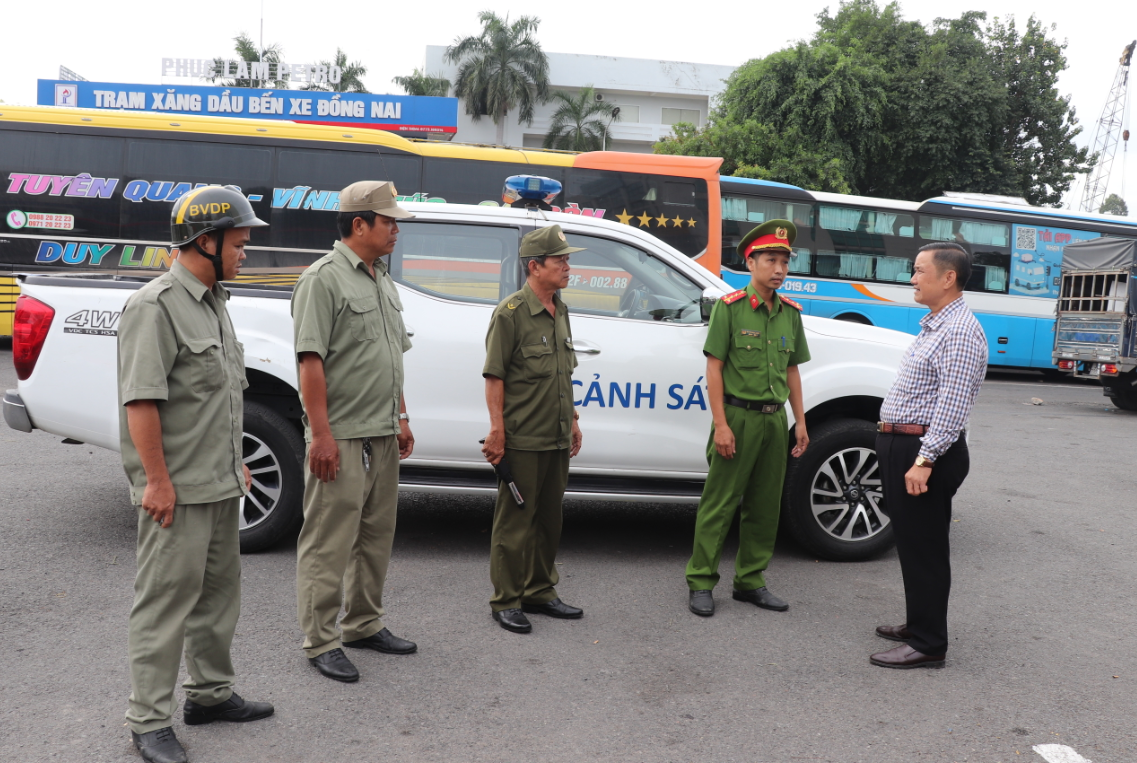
x: 396, y: 113
x: 1036, y: 258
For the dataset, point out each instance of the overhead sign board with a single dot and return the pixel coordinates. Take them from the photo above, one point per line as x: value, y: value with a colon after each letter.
x: 410, y: 115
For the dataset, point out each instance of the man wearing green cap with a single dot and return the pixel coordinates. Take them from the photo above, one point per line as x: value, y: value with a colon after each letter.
x: 754, y: 345
x: 350, y: 341
x: 528, y: 373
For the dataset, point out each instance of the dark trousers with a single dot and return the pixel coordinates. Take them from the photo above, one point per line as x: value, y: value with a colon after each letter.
x: 921, y: 524
x: 524, y: 541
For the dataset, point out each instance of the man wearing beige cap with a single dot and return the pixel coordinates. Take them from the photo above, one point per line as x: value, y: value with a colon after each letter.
x: 350, y: 341
x: 533, y: 430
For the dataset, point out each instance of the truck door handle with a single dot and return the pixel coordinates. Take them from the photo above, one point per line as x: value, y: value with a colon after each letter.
x: 584, y: 348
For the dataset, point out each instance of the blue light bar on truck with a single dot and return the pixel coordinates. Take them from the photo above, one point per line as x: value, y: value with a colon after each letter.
x: 530, y: 188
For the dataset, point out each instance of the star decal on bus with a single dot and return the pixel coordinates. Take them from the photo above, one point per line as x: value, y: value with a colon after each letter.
x: 625, y: 218
x: 678, y: 221
x: 644, y: 219
x: 661, y: 221
x: 690, y: 223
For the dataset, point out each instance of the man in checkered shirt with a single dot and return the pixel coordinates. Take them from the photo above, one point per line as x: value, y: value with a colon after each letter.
x: 923, y: 453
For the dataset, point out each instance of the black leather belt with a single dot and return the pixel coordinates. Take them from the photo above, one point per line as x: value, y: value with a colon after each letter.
x: 752, y: 405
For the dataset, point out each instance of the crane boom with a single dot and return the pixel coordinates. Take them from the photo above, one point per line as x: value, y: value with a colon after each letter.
x: 1108, y: 135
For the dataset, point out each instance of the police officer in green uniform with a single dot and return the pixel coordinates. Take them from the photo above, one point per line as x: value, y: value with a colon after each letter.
x: 181, y: 372
x: 350, y: 340
x: 528, y: 373
x: 754, y: 345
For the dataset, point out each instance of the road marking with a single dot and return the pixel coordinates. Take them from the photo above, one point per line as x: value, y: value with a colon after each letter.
x: 1059, y: 753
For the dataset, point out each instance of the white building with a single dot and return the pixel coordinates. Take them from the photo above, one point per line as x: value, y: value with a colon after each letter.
x: 652, y: 96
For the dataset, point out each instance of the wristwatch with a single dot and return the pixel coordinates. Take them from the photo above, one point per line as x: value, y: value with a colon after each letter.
x: 921, y: 461
x: 404, y: 417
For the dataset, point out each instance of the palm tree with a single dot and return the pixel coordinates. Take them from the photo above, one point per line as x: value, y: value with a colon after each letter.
x: 500, y: 69
x: 351, y: 76
x: 580, y: 122
x: 420, y: 83
x: 247, y: 51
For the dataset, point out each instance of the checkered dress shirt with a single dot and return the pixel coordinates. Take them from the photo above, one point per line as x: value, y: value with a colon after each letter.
x: 939, y: 378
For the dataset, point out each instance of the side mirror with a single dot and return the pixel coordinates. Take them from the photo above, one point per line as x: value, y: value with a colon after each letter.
x: 707, y: 301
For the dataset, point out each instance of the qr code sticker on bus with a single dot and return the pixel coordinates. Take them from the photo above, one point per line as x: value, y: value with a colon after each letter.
x: 1026, y: 238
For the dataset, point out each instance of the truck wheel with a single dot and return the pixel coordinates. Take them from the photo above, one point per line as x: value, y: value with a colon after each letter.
x: 274, y: 452
x: 1122, y: 391
x: 832, y: 501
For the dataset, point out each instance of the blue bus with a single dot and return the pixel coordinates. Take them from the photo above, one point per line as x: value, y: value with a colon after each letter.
x: 853, y: 257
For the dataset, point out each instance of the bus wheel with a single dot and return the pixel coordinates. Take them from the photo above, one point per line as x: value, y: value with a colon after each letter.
x: 854, y: 318
x: 832, y: 501
x: 274, y: 452
x: 1123, y: 392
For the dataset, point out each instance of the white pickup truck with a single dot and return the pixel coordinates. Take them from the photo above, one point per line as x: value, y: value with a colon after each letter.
x: 638, y: 311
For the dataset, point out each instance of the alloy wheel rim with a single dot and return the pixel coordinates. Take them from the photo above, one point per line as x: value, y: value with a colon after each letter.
x: 846, y: 496
x: 268, y: 480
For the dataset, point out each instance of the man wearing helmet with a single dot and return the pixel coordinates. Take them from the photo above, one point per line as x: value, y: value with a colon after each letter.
x: 181, y: 376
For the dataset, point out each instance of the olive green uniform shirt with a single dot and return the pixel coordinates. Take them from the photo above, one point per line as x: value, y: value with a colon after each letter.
x: 355, y: 323
x: 531, y: 351
x: 756, y: 347
x: 176, y: 346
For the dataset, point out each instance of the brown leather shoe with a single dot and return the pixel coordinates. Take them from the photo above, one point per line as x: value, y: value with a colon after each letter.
x: 894, y: 632
x: 905, y: 657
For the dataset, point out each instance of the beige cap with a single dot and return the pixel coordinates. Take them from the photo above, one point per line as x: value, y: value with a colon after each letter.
x: 377, y: 196
x: 549, y: 241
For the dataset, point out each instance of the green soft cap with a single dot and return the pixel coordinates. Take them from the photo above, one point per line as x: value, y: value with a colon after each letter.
x: 548, y: 241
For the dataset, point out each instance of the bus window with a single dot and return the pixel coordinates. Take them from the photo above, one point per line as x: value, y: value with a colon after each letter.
x: 462, y: 181
x: 680, y: 219
x: 800, y: 262
x: 741, y: 214
x: 40, y: 168
x: 964, y: 231
x: 155, y: 168
x: 336, y: 170
x: 469, y: 263
x: 865, y: 244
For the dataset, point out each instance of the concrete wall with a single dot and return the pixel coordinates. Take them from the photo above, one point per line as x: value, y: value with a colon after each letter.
x: 644, y: 84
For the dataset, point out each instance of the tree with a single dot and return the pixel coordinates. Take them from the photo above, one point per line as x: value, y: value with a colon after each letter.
x: 501, y: 69
x: 580, y: 122
x: 351, y: 76
x: 421, y: 83
x: 1113, y: 205
x: 247, y: 51
x: 887, y: 107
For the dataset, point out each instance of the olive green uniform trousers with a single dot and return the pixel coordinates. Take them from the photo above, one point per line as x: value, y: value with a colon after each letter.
x: 345, y: 545
x: 187, y: 595
x: 754, y: 476
x: 525, y: 540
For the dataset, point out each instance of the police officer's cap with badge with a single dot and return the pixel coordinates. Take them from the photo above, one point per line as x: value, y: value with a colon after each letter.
x: 211, y: 209
x: 546, y: 242
x: 770, y: 235
x: 378, y: 196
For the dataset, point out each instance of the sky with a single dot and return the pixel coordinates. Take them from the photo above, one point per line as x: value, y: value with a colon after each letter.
x: 125, y: 40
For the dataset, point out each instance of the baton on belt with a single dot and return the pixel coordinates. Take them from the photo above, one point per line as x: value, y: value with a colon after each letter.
x: 504, y: 474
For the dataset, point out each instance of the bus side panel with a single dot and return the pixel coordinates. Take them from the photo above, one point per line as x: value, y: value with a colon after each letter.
x: 1042, y: 356
x: 1010, y: 339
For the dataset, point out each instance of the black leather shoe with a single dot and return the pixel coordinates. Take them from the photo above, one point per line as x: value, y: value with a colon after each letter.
x: 235, y: 710
x: 905, y: 658
x: 513, y: 620
x: 160, y: 746
x: 335, y: 665
x: 761, y: 597
x: 384, y: 641
x: 554, y: 608
x: 702, y: 603
x: 894, y: 632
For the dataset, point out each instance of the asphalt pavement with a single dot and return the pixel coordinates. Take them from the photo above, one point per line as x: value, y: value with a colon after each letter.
x: 1041, y: 622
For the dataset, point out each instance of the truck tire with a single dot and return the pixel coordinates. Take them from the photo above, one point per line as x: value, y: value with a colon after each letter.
x: 832, y: 501
x: 274, y: 452
x: 1122, y: 391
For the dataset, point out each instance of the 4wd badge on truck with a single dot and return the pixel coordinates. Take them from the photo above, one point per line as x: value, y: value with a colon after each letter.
x: 97, y: 322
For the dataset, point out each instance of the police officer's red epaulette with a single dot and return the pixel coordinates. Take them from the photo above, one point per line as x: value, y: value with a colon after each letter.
x: 791, y: 303
x: 734, y: 296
